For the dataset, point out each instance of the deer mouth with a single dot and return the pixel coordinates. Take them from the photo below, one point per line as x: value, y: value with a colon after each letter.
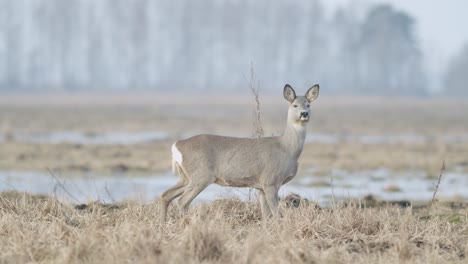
x: 304, y: 118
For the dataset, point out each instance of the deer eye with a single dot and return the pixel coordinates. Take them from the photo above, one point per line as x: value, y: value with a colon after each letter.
x: 295, y: 106
x: 308, y: 105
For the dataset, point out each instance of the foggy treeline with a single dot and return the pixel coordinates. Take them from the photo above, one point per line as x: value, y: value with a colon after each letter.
x: 207, y: 45
x: 456, y: 78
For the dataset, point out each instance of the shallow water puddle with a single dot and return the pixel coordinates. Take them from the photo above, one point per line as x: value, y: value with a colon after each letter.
x: 106, y: 138
x: 107, y: 189
x: 382, y: 138
x: 125, y: 137
x: 386, y: 185
x: 380, y: 183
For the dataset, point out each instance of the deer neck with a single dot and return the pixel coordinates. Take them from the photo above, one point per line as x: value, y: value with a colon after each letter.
x: 293, y: 137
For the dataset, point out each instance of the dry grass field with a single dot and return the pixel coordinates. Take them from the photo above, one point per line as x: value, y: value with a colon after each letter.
x: 43, y: 229
x: 38, y: 229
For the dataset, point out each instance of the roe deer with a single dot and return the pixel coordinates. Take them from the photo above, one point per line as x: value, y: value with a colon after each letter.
x: 262, y: 163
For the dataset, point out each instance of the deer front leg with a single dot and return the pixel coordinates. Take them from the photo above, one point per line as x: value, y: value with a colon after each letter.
x: 271, y: 195
x: 266, y: 212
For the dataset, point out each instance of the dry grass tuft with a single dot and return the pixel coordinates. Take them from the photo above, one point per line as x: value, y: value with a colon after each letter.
x: 45, y: 230
x: 202, y: 242
x: 392, y: 188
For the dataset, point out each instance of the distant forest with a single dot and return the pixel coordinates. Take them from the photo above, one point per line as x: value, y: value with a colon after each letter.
x: 209, y: 45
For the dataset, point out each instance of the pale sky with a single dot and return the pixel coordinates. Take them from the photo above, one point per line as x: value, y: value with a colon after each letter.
x: 442, y: 25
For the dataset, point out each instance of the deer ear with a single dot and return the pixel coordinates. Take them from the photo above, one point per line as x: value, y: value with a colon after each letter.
x: 312, y: 93
x: 289, y: 93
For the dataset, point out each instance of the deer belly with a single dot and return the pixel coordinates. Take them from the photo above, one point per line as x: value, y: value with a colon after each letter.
x: 237, y: 182
x: 237, y: 177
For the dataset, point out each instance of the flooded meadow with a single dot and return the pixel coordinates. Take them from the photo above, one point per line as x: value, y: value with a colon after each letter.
x: 118, y: 148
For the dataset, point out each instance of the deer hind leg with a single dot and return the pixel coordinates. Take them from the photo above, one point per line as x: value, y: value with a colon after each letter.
x: 169, y: 195
x: 191, y: 191
x: 266, y: 212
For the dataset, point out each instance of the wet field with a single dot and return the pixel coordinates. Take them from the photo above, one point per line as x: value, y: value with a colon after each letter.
x: 380, y: 184
x: 128, y: 138
x: 118, y: 148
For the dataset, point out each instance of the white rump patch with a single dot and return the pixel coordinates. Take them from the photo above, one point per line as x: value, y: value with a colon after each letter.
x: 176, y: 155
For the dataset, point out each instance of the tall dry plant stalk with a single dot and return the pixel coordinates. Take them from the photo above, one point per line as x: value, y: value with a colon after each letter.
x: 60, y: 184
x: 442, y: 169
x: 258, y: 132
x: 254, y: 86
x: 333, y: 192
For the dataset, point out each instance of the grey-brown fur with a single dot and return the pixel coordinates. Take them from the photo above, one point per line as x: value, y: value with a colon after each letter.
x: 262, y: 163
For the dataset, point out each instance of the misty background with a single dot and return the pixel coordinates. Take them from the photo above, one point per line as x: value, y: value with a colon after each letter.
x: 356, y: 48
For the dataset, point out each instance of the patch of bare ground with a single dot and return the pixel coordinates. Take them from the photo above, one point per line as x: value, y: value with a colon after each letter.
x: 105, y: 159
x: 44, y: 230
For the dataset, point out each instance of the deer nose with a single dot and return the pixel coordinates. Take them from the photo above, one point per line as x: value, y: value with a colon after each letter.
x: 304, y: 114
